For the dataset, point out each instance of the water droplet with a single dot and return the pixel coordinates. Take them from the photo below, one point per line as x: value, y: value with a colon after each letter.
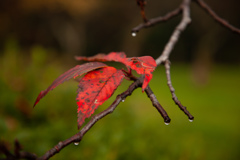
x: 123, y: 100
x: 134, y: 34
x: 167, y: 123
x: 190, y: 120
x: 76, y: 143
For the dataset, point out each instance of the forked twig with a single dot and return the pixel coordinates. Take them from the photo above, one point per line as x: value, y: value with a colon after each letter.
x: 78, y: 137
x: 163, y: 58
x: 220, y: 20
x: 184, y: 8
x: 142, y: 4
x: 172, y: 90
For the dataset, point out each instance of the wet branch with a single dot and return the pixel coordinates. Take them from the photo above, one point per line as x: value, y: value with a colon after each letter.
x: 184, y: 10
x: 157, y: 105
x: 172, y: 90
x: 78, y: 137
x: 163, y: 58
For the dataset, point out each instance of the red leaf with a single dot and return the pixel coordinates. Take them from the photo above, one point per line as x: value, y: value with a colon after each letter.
x: 112, y: 56
x: 142, y: 65
x: 72, y: 73
x: 94, y: 89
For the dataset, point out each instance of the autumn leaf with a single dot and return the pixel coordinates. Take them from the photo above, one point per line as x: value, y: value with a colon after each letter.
x: 135, y: 63
x: 72, y: 73
x: 142, y: 65
x: 100, y: 81
x: 95, y: 88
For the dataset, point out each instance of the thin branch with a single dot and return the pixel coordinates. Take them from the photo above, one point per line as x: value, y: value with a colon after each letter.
x: 157, y: 105
x: 184, y: 8
x: 141, y: 4
x: 177, y: 32
x: 217, y: 18
x: 154, y: 100
x: 157, y: 20
x: 163, y: 58
x: 174, y: 38
x: 172, y: 90
x: 78, y: 137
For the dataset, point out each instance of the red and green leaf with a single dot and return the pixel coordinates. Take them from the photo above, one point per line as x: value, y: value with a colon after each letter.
x: 95, y: 88
x: 72, y: 73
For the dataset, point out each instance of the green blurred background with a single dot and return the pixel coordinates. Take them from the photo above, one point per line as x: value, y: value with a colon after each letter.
x: 38, y: 42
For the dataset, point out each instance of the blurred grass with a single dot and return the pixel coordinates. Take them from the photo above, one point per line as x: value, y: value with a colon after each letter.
x: 135, y: 130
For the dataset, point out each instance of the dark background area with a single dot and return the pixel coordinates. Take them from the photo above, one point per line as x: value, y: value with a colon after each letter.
x: 86, y: 28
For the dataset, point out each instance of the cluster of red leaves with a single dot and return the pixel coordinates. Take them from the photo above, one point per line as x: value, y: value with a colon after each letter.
x: 100, y: 81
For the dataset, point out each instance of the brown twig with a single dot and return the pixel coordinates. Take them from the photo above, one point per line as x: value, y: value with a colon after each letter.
x: 172, y: 90
x: 163, y: 58
x: 217, y: 18
x: 141, y: 4
x: 157, y: 105
x: 78, y: 137
x: 137, y: 83
x: 185, y: 6
x: 153, y: 98
x: 157, y: 20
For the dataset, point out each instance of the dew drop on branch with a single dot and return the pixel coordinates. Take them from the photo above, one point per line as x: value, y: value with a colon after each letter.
x: 190, y: 120
x: 167, y: 123
x: 76, y: 143
x: 123, y: 100
x: 134, y: 34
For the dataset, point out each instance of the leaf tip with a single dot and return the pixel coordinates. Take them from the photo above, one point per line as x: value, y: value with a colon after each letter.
x: 147, y: 78
x: 38, y: 98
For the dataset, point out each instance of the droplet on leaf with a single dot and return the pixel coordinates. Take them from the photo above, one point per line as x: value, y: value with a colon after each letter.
x: 190, y: 120
x: 167, y: 123
x: 76, y: 143
x: 134, y: 34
